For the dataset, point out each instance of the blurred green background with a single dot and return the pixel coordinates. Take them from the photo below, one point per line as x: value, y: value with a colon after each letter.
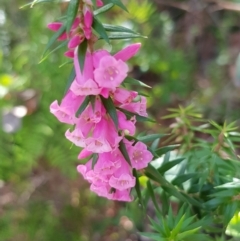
x: 191, y: 56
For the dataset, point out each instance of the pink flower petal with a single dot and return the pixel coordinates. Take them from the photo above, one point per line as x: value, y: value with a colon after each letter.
x: 75, y: 41
x: 128, y: 52
x: 84, y: 153
x: 88, y: 18
x: 55, y: 26
x: 88, y: 88
x: 69, y: 54
x: 123, y: 182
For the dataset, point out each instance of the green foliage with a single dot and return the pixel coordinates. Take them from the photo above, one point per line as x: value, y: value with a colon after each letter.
x: 176, y: 227
x: 204, y: 174
x: 193, y: 183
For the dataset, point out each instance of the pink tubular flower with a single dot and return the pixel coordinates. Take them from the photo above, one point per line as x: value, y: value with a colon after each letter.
x: 69, y: 54
x: 110, y: 177
x: 84, y: 83
x: 55, y: 26
x: 104, y: 138
x: 128, y: 126
x: 106, y: 164
x: 90, y: 87
x: 94, y: 130
x: 123, y: 96
x: 122, y: 179
x: 88, y: 20
x: 138, y: 107
x: 110, y: 73
x: 139, y: 155
x: 76, y: 137
x: 65, y: 112
x: 75, y: 41
x: 128, y: 52
x: 84, y: 153
x: 99, y: 3
x: 84, y: 169
x: 98, y: 55
x: 102, y: 190
x: 87, y: 73
x: 123, y: 196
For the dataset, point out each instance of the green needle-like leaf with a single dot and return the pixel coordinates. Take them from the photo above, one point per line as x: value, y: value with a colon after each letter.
x: 54, y: 38
x: 71, y: 13
x: 133, y: 81
x: 115, y: 28
x: 167, y: 166
x: 103, y: 9
x: 124, y: 36
x: 82, y: 50
x: 111, y: 109
x: 94, y: 159
x: 137, y: 188
x: 70, y: 80
x: 124, y: 152
x: 83, y: 106
x: 35, y: 2
x: 54, y: 50
x: 183, y: 178
x: 152, y: 195
x: 118, y: 3
x: 98, y: 27
x: 166, y: 149
x: 150, y: 138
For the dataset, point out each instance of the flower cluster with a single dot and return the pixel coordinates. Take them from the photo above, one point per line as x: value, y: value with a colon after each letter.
x: 81, y: 28
x: 85, y: 106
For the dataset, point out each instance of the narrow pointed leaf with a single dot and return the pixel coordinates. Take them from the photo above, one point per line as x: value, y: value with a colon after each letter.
x: 111, y: 109
x: 93, y: 101
x: 70, y: 80
x: 143, y: 118
x: 65, y: 63
x: 124, y: 36
x: 185, y: 177
x: 83, y: 106
x: 229, y: 211
x: 98, y: 27
x: 124, y: 152
x: 118, y: 3
x: 138, y: 117
x: 150, y: 138
x: 133, y: 81
x: 52, y: 51
x: 185, y: 234
x: 71, y: 13
x: 82, y: 50
x: 116, y: 28
x: 137, y: 187
x: 178, y: 227
x: 94, y: 159
x: 167, y: 166
x: 168, y: 187
x: 165, y: 203
x: 54, y: 38
x: 103, y: 9
x: 158, y: 227
x: 155, y: 144
x: 166, y: 149
x: 152, y: 195
x: 34, y: 3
